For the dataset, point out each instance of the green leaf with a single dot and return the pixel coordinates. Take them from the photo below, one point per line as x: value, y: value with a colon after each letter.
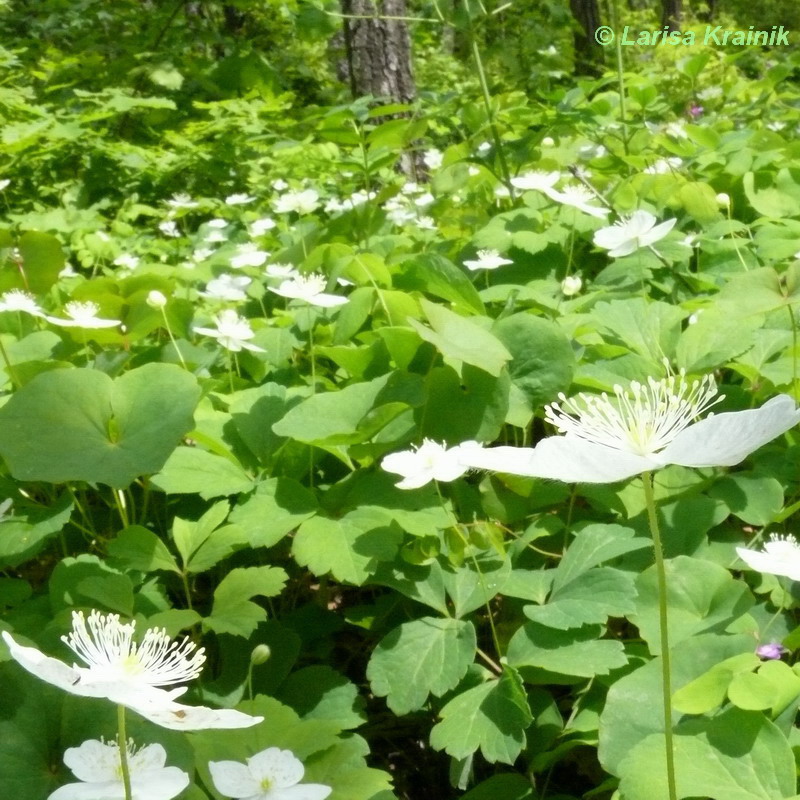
x: 633, y: 709
x: 716, y: 337
x: 140, y: 549
x: 542, y: 362
x: 80, y: 425
x: 591, y: 598
x: 332, y: 418
x: 319, y: 692
x: 432, y: 273
x: 708, y: 691
x: 42, y: 260
x: 475, y: 583
x: 426, y: 656
x: 755, y: 499
x: 647, y: 328
x: 349, y: 548
x: 700, y: 202
x: 278, y: 506
x: 25, y: 533
x: 461, y: 339
x: 592, y: 545
x: 769, y: 200
x: 491, y: 717
x: 191, y: 470
x: 254, y: 411
x: 233, y: 612
x: 508, y: 786
x: 579, y: 651
x: 771, y: 688
x: 737, y: 755
x: 701, y: 596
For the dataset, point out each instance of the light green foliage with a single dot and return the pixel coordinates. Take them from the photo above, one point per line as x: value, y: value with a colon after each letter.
x: 80, y: 424
x: 425, y: 656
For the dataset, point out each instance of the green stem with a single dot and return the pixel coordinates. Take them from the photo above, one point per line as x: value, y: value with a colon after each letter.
x: 172, y: 338
x: 790, y: 309
x: 119, y: 499
x: 620, y: 79
x: 122, y: 741
x: 666, y: 672
x: 11, y: 373
x: 487, y: 100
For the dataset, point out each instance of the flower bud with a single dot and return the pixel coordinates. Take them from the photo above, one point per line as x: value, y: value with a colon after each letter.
x: 260, y: 654
x: 548, y: 141
x: 571, y: 285
x: 723, y: 200
x: 156, y: 299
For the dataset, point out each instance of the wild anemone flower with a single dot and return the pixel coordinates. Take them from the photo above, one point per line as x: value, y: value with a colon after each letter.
x: 17, y: 300
x: 629, y: 234
x: 232, y: 332
x: 643, y: 428
x: 248, y: 255
x: 303, y: 202
x: 272, y: 774
x: 129, y: 673
x: 310, y: 288
x: 227, y: 287
x: 83, y: 315
x: 487, y: 259
x: 536, y: 181
x: 430, y: 461
x: 780, y: 556
x: 578, y: 197
x: 97, y: 765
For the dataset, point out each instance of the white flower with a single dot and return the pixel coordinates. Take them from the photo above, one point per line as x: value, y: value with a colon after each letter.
x: 201, y: 254
x: 238, y: 199
x: 272, y: 774
x: 182, y: 201
x: 126, y: 260
x: 664, y: 165
x: 646, y: 428
x: 4, y: 184
x: 432, y: 158
x: 214, y: 236
x: 279, y: 185
x: 68, y: 271
x: 780, y: 556
x: 484, y: 148
x: 232, y: 332
x: 501, y: 192
x: 217, y: 222
x: 630, y: 233
x: 333, y: 206
x: 677, y: 130
x: 83, y: 315
x: 169, y: 228
x: 424, y: 200
x: 710, y: 93
x: 723, y: 200
x: 690, y: 240
x: 302, y: 202
x: 430, y: 461
x: 548, y: 141
x: 571, y: 285
x: 260, y: 226
x: 156, y: 299
x: 426, y: 223
x: 310, y: 288
x: 282, y: 271
x: 536, y: 181
x: 129, y: 673
x: 248, y: 255
x: 487, y: 259
x: 590, y: 151
x: 578, y: 197
x: 409, y: 187
x: 97, y: 765
x: 227, y: 287
x: 17, y: 300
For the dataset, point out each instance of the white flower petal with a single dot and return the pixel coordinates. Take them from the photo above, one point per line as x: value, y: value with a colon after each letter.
x: 305, y: 791
x: 728, y: 438
x: 110, y: 790
x: 234, y: 779
x: 178, y: 717
x: 280, y: 767
x: 48, y: 669
x: 93, y: 761
x: 162, y: 784
x: 781, y: 556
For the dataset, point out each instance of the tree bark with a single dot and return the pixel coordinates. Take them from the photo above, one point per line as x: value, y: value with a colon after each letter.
x: 671, y: 14
x: 378, y: 50
x: 588, y: 54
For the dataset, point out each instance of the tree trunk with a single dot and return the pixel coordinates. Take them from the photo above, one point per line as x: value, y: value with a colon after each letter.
x: 378, y: 50
x: 671, y: 14
x: 588, y: 54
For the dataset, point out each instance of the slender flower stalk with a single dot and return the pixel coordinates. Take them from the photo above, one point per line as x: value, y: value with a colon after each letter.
x: 663, y: 620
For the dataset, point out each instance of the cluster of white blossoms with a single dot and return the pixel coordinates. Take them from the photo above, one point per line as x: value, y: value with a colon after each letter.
x: 232, y: 332
x: 132, y: 674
